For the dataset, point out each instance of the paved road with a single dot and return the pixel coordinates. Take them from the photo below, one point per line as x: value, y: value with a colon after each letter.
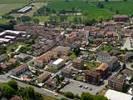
x: 42, y: 91
x: 4, y: 78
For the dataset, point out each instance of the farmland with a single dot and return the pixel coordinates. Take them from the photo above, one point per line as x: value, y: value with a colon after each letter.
x: 89, y: 7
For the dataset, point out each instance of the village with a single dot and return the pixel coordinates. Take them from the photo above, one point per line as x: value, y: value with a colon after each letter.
x: 97, y: 59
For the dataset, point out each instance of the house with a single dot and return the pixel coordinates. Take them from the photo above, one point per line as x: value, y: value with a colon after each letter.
x: 78, y: 63
x: 93, y: 77
x: 115, y: 95
x: 19, y: 70
x: 103, y: 69
x: 44, y: 76
x: 120, y: 18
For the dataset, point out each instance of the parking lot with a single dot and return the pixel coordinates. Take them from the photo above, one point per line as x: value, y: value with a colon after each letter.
x: 77, y: 87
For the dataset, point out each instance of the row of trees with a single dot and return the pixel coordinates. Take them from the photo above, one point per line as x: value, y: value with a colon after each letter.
x: 11, y: 88
x: 84, y: 96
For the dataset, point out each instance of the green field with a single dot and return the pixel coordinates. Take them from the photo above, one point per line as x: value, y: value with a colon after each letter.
x: 89, y: 7
x: 8, y: 5
x: 122, y: 7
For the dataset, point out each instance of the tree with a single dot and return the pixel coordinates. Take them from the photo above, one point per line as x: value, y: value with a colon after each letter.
x: 13, y: 84
x: 86, y: 96
x: 100, y: 5
x: 7, y: 90
x: 63, y: 99
x: 99, y: 97
x: 25, y: 19
x: 69, y: 95
x: 117, y: 12
x: 76, y: 51
x: 36, y: 21
x: 125, y: 0
x: 106, y: 0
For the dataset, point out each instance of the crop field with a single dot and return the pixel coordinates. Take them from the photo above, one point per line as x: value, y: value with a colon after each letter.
x: 90, y: 7
x: 122, y: 7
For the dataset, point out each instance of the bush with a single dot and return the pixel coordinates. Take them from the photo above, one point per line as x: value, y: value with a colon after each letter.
x: 69, y: 95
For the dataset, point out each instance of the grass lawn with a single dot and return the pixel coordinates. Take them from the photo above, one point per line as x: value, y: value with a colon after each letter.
x: 49, y: 98
x: 73, y: 56
x: 91, y: 64
x: 5, y: 8
x: 107, y: 48
x: 3, y: 21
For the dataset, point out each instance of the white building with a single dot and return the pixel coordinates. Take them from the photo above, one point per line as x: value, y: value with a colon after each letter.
x: 115, y: 95
x: 58, y: 63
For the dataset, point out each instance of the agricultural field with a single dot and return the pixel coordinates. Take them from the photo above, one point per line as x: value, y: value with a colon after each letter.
x: 89, y: 7
x: 122, y: 7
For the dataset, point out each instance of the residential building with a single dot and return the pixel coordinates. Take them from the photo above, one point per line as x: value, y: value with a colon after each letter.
x: 113, y: 63
x: 103, y: 69
x: 117, y: 82
x: 67, y: 72
x: 44, y: 76
x: 129, y: 56
x: 78, y: 63
x: 19, y: 70
x: 93, y: 77
x: 53, y: 54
